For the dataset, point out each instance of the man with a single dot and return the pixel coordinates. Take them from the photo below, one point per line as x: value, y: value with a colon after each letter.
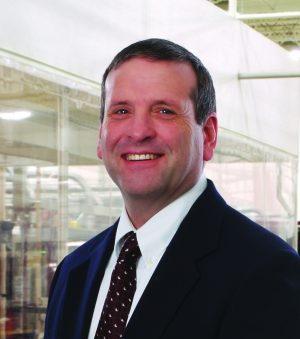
x: 179, y: 263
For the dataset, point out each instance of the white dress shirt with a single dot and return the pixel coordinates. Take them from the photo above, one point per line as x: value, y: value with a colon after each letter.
x: 153, y: 238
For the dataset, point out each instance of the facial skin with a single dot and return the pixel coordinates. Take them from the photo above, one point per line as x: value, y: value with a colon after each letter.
x: 149, y: 140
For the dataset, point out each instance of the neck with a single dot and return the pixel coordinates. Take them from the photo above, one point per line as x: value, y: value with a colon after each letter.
x: 141, y: 209
x: 140, y: 212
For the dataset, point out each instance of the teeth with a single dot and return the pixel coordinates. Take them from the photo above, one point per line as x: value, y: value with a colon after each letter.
x: 141, y: 156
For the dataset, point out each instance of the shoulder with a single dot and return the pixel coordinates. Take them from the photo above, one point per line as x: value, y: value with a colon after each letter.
x: 78, y: 260
x: 79, y: 257
x: 237, y: 234
x: 249, y: 236
x: 265, y: 273
x: 255, y: 259
x: 252, y: 269
x: 242, y: 244
x: 83, y: 252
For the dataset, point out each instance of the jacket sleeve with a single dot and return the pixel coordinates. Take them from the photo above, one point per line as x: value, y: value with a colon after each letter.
x: 267, y: 304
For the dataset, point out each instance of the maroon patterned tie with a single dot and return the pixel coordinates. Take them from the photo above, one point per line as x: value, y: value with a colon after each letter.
x: 121, y: 291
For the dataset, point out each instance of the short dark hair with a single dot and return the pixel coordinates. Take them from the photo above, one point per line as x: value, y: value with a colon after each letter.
x: 160, y: 49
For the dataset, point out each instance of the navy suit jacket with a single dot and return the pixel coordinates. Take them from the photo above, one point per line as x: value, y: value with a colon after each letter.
x: 221, y: 277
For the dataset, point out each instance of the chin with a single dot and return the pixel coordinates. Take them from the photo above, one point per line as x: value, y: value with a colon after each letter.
x: 141, y: 191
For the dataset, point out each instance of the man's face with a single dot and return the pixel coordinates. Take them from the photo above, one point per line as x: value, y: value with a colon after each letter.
x: 149, y: 140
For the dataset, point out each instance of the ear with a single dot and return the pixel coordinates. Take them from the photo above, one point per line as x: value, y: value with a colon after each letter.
x: 99, y: 147
x: 210, y: 132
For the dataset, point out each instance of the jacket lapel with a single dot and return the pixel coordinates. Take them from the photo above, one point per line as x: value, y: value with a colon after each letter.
x: 83, y: 286
x: 178, y: 272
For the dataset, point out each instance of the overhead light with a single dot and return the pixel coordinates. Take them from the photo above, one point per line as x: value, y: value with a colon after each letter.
x: 295, y: 54
x: 15, y: 115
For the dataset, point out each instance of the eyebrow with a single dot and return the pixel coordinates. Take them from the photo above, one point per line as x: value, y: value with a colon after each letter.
x: 118, y: 103
x: 155, y: 103
x: 162, y: 102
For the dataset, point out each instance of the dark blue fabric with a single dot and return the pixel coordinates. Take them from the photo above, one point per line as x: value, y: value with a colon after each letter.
x: 221, y: 277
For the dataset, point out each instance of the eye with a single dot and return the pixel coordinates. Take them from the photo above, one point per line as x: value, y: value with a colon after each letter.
x: 166, y: 111
x: 121, y: 111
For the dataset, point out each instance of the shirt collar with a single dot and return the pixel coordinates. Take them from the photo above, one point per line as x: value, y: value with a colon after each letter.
x: 155, y: 235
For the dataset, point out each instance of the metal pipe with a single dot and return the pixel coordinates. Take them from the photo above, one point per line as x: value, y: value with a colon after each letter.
x: 63, y: 162
x: 277, y: 15
x: 252, y: 76
x: 232, y: 8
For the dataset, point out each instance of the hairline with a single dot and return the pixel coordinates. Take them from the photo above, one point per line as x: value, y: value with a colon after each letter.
x: 203, y: 95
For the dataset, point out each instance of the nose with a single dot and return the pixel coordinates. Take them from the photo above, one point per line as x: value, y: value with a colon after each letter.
x: 141, y: 127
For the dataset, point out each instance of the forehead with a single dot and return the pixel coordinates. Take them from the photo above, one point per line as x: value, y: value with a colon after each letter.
x: 142, y: 73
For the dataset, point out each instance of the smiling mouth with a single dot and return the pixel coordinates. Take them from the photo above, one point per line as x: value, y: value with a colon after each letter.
x: 139, y: 157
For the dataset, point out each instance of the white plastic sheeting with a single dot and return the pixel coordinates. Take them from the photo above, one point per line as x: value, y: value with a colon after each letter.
x: 82, y: 36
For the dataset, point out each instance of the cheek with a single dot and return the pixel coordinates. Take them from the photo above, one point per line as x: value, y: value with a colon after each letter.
x: 107, y: 138
x: 183, y: 142
x: 172, y: 137
x: 192, y: 136
x: 102, y: 147
x: 194, y: 144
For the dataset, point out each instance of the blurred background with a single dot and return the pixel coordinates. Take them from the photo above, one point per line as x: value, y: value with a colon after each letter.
x: 54, y: 192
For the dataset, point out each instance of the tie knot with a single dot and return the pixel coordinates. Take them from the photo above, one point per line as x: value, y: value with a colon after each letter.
x: 130, y: 248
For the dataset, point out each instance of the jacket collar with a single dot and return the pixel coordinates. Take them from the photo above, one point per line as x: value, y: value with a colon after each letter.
x: 196, y: 238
